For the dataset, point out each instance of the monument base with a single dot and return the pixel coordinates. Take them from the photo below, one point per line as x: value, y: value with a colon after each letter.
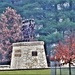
x: 28, y: 55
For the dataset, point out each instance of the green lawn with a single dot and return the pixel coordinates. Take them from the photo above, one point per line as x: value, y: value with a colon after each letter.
x: 26, y: 72
x: 37, y: 72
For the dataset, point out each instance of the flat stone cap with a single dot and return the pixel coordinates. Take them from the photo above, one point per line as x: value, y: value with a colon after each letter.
x: 32, y: 43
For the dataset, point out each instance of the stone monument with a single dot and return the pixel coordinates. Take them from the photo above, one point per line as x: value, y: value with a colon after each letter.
x: 28, y: 55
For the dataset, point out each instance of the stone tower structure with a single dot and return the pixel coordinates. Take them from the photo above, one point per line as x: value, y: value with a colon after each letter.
x: 28, y: 55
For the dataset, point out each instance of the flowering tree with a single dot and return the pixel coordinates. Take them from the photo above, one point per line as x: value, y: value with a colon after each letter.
x: 65, y: 51
x: 10, y: 31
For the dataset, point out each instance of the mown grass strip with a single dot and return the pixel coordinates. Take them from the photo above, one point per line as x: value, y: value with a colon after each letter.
x: 26, y: 72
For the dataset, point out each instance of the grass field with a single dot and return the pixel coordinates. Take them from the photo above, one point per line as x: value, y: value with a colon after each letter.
x: 64, y: 71
x: 26, y: 72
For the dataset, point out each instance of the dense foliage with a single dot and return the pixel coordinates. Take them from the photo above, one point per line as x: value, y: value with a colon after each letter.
x: 10, y: 32
x: 55, y: 19
x: 65, y: 52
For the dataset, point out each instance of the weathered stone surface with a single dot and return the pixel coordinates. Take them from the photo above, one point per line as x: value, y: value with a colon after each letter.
x: 28, y: 55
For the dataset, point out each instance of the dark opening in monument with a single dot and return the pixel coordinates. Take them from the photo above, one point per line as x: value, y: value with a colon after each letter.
x: 34, y: 53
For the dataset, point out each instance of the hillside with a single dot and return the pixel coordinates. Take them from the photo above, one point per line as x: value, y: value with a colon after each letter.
x: 55, y: 19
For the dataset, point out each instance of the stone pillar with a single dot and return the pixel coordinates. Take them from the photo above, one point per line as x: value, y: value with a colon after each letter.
x: 27, y: 55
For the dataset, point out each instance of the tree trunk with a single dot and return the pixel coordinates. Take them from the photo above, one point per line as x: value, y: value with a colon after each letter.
x: 70, y: 68
x: 60, y: 70
x: 70, y: 4
x: 55, y: 67
x: 63, y: 32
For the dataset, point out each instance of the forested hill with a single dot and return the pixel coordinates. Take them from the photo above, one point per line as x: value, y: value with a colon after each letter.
x: 55, y: 19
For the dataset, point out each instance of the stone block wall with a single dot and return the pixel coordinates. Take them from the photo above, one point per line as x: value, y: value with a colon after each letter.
x: 27, y: 55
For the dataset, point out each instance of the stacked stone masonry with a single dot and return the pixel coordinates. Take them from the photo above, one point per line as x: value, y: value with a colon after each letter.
x: 27, y: 55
